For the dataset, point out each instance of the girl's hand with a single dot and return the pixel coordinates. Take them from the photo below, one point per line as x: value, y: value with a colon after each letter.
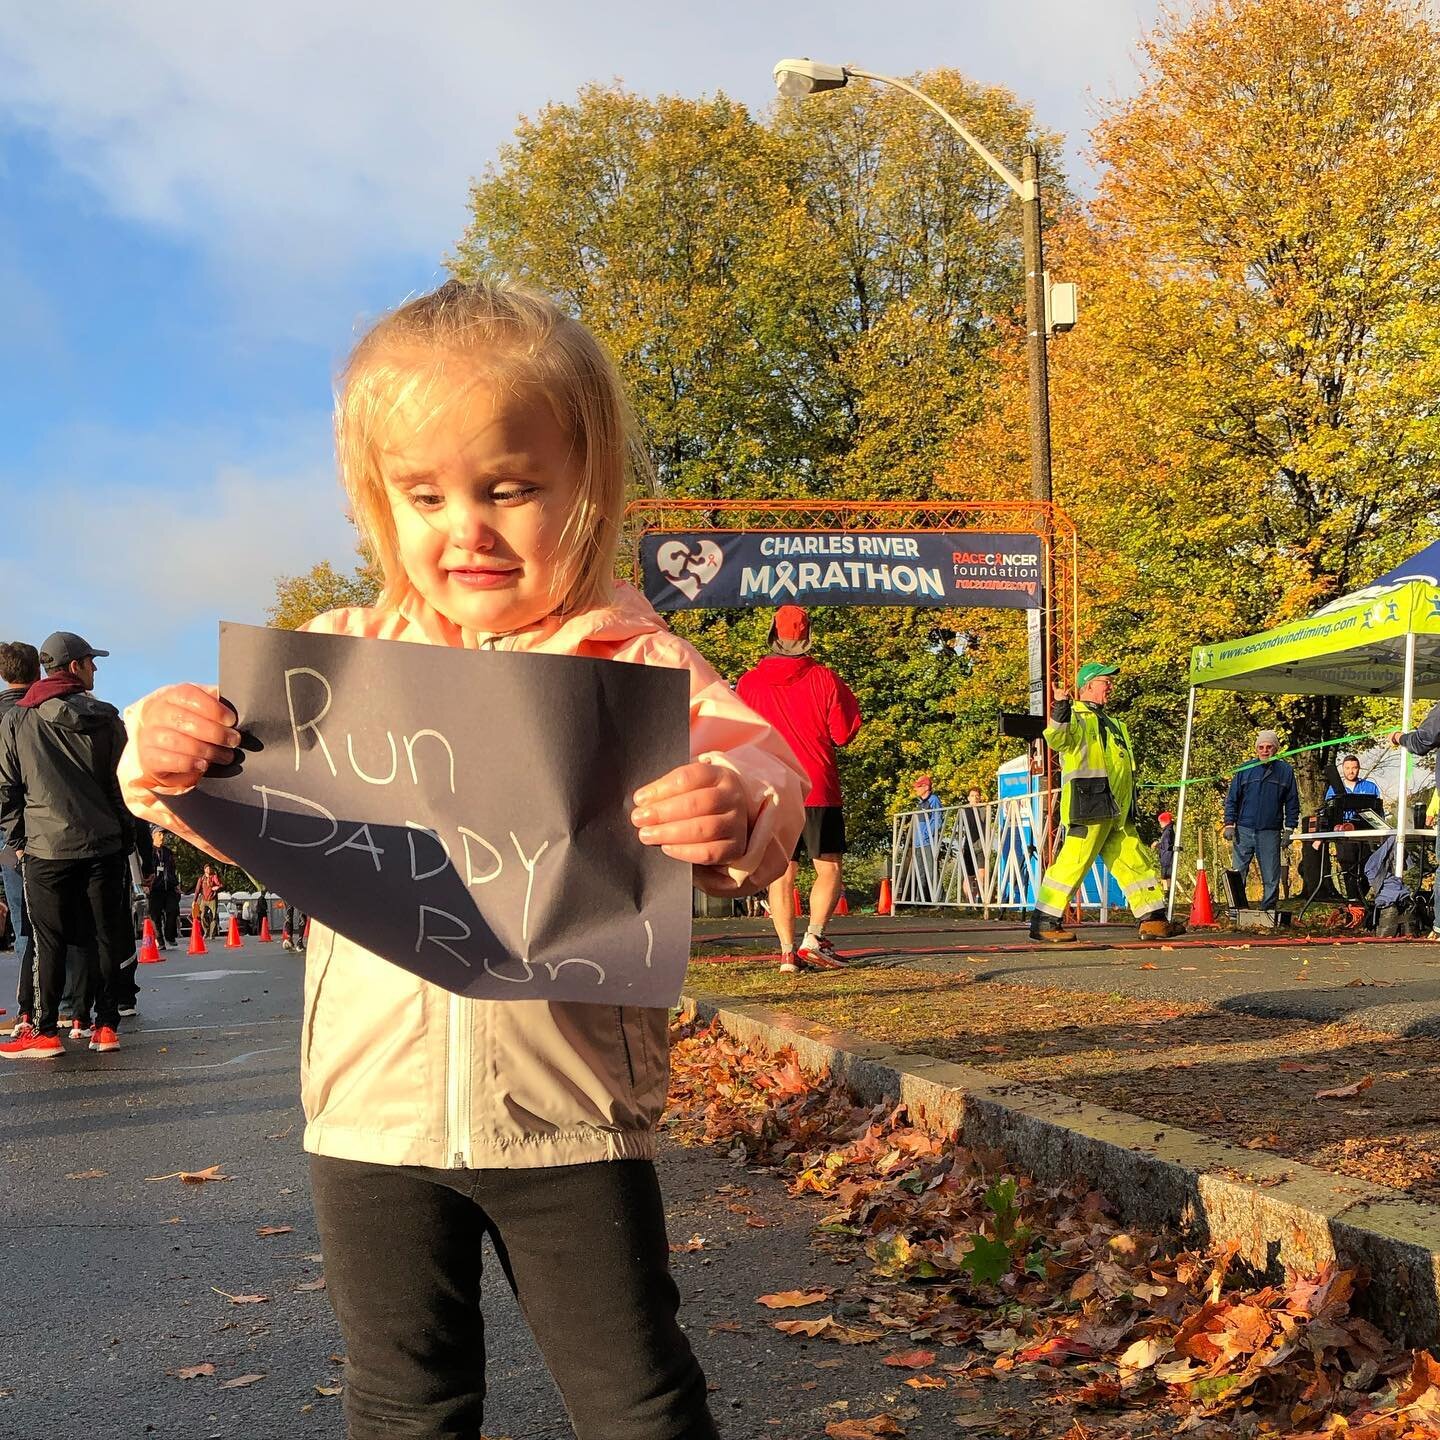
x: 696, y: 813
x: 183, y: 731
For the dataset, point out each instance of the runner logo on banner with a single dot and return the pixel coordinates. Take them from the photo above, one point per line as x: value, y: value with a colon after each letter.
x: 707, y: 569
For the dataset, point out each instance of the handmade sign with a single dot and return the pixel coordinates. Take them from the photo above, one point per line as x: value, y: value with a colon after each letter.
x: 464, y: 814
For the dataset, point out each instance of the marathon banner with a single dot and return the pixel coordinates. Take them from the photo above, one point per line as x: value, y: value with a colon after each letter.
x: 715, y: 569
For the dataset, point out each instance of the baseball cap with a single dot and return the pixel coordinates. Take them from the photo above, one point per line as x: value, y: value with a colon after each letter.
x: 921, y: 780
x: 64, y: 646
x: 1093, y: 671
x: 792, y: 622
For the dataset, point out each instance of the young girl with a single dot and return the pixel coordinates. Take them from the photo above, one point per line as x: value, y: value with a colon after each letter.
x: 485, y: 443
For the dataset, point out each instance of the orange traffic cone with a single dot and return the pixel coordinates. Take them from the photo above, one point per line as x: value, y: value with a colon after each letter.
x: 884, y: 905
x: 233, y: 940
x: 799, y: 903
x: 842, y: 905
x: 265, y: 928
x: 1202, y: 912
x: 149, y: 945
x: 197, y: 940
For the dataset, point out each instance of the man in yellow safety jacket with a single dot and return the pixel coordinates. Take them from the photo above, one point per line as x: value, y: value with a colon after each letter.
x: 1097, y: 809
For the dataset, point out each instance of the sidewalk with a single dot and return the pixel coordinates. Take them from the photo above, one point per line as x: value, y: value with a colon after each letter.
x: 1220, y: 1035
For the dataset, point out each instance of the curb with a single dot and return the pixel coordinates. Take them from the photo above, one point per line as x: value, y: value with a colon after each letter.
x: 1281, y: 1213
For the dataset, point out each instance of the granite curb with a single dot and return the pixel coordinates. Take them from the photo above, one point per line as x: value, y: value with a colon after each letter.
x: 1281, y: 1213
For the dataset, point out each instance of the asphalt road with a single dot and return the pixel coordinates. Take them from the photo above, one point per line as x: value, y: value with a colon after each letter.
x: 114, y: 1279
x: 1390, y: 986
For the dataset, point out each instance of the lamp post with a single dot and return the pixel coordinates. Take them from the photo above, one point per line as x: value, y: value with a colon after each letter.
x: 798, y: 78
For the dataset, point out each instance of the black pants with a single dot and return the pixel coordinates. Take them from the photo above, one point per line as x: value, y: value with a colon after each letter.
x: 294, y: 927
x: 584, y: 1250
x: 78, y: 902
x: 1350, y: 856
x: 164, y: 908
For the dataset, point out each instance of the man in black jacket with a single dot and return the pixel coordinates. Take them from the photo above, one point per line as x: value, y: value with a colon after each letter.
x: 61, y: 809
x: 19, y: 669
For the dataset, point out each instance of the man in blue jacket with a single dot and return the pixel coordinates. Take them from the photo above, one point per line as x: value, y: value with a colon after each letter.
x: 1262, y: 802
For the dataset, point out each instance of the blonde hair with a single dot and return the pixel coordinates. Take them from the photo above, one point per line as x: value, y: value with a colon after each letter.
x: 499, y: 332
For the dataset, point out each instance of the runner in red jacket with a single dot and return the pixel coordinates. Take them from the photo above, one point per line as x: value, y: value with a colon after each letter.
x: 815, y: 711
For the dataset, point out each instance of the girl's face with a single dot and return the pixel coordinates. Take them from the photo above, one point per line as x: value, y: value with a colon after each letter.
x: 480, y: 481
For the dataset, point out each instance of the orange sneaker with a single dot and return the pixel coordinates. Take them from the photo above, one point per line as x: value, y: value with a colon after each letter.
x: 104, y: 1038
x: 31, y: 1045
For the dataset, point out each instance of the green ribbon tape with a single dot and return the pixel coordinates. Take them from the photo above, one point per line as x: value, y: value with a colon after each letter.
x: 1250, y: 764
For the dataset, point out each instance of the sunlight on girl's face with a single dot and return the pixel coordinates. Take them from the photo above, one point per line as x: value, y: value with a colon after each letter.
x: 480, y: 481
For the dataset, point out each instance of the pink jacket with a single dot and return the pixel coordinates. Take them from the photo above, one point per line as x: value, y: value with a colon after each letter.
x: 397, y: 1071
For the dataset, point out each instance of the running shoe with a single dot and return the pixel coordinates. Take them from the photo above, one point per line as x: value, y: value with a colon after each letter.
x: 81, y: 1032
x: 817, y: 950
x: 20, y: 1026
x: 788, y: 964
x: 32, y: 1046
x: 104, y: 1038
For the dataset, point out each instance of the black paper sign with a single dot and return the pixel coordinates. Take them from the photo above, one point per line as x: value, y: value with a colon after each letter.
x: 464, y: 814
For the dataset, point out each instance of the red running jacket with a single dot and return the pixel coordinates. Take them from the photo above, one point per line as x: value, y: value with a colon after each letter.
x: 813, y: 709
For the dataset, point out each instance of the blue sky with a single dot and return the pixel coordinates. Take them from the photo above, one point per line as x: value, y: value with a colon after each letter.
x: 198, y: 208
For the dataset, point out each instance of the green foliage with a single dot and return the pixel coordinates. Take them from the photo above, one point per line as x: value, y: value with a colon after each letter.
x: 299, y: 598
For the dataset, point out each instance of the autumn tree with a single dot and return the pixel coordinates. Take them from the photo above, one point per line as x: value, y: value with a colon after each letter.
x: 802, y: 304
x: 1245, y: 420
x: 299, y: 598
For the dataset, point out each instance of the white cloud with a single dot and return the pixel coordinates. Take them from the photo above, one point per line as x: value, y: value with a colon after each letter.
x: 185, y: 529
x: 309, y: 136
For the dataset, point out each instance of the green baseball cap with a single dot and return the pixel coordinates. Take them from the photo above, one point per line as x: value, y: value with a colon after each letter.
x: 1093, y: 671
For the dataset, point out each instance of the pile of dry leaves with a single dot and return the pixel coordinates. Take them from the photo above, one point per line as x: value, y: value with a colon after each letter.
x: 1026, y: 1280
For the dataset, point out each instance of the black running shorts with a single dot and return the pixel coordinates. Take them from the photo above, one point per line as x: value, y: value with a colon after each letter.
x: 824, y: 832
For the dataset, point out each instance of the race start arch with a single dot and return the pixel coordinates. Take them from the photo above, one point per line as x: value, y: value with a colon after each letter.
x: 941, y: 554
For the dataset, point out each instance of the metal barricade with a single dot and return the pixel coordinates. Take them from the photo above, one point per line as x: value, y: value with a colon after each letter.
x: 986, y: 857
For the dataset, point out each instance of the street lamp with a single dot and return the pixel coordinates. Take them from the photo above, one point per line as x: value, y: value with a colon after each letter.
x: 798, y: 78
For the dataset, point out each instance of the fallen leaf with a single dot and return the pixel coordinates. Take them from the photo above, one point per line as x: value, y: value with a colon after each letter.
x: 694, y: 1243
x: 1144, y: 1353
x: 238, y: 1381
x: 791, y: 1299
x: 811, y: 1328
x: 759, y: 1222
x: 311, y: 1285
x: 275, y: 1230
x: 189, y: 1372
x: 241, y: 1299
x: 863, y: 1429
x: 1149, y: 965
x: 328, y: 1389
x: 910, y: 1359
x: 1344, y: 1092
x: 925, y: 1382
x: 1292, y: 1067
x: 193, y: 1177
x: 87, y: 1175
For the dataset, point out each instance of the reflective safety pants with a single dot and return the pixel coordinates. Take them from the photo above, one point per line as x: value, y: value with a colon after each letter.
x: 1130, y: 860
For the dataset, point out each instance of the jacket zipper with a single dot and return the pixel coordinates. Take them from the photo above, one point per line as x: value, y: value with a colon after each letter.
x: 457, y: 1082
x: 460, y: 1056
